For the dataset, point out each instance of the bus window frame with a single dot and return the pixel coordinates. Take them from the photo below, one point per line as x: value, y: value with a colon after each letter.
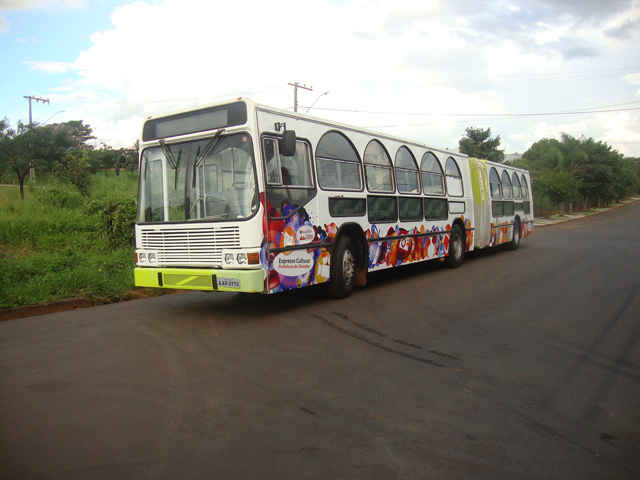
x: 518, y: 189
x: 282, y: 189
x: 498, y: 194
x: 415, y: 171
x: 507, y: 193
x: 378, y: 167
x: 371, y: 199
x: 409, y: 199
x: 458, y: 178
x: 337, y: 161
x: 524, y: 185
x: 443, y: 183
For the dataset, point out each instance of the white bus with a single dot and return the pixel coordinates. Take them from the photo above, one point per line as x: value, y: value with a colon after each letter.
x: 241, y: 197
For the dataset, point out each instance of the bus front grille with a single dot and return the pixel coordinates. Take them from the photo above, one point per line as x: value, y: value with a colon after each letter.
x: 190, y: 247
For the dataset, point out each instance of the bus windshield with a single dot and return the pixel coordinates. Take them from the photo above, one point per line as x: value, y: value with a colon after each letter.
x: 212, y: 179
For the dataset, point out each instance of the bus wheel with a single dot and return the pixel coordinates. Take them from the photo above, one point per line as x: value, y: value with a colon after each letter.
x: 456, y: 248
x: 515, y: 241
x: 343, y: 268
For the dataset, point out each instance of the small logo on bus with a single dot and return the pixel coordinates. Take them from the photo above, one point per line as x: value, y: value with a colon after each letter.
x: 305, y: 234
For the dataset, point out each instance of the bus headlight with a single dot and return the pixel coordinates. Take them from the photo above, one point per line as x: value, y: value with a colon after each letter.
x: 249, y: 258
x: 146, y: 257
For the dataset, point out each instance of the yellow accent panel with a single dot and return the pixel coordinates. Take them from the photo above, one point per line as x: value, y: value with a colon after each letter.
x: 199, y: 279
x: 187, y: 281
x: 146, y: 277
x: 479, y: 180
x: 481, y: 202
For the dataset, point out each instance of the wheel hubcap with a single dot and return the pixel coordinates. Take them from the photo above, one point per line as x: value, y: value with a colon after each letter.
x: 457, y: 246
x: 348, y: 267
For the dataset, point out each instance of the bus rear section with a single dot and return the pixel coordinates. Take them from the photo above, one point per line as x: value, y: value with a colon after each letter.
x: 503, y: 211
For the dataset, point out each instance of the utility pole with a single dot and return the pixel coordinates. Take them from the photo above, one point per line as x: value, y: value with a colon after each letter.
x: 296, y: 86
x: 37, y: 99
x: 32, y: 172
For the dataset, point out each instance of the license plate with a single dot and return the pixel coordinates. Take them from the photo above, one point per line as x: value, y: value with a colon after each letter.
x: 228, y: 282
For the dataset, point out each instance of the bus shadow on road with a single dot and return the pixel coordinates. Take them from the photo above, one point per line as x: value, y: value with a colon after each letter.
x: 230, y: 307
x: 431, y: 268
x: 253, y: 307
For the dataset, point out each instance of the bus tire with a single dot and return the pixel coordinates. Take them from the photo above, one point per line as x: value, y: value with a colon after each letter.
x: 515, y: 241
x: 343, y: 268
x: 456, y: 248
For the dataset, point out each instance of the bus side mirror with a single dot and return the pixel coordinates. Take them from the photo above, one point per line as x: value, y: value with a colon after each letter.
x: 288, y: 143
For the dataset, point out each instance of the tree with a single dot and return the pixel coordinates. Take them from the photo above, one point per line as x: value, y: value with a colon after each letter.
x: 544, y: 155
x: 626, y: 180
x: 597, y: 171
x: 76, y: 170
x: 602, y: 174
x: 29, y: 147
x: 551, y: 163
x: 130, y: 157
x: 478, y: 143
x: 80, y: 132
x: 106, y: 158
x: 39, y: 146
x: 629, y: 178
x: 561, y: 187
x: 573, y: 153
x: 102, y: 158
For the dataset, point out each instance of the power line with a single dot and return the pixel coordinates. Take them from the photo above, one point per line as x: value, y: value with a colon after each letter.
x: 267, y: 89
x: 478, y: 114
x: 497, y: 79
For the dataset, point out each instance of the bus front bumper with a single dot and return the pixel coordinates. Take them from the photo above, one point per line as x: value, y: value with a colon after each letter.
x: 201, y: 279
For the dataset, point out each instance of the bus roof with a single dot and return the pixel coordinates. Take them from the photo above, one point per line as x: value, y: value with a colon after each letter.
x: 320, y: 121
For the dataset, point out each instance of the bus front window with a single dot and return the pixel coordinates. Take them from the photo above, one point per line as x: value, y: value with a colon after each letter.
x: 151, y: 193
x: 212, y: 179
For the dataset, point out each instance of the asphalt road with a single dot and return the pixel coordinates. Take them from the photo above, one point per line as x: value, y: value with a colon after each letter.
x: 519, y: 365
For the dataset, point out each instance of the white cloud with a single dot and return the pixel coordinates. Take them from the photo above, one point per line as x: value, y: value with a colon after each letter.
x: 384, y: 56
x: 633, y: 78
x: 52, y: 67
x: 623, y: 131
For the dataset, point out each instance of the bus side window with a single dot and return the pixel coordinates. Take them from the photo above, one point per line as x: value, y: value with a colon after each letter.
x: 338, y: 163
x: 289, y: 178
x: 272, y: 161
x: 453, y: 178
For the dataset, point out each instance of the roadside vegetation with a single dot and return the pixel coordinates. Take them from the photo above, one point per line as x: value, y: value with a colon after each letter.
x: 66, y: 217
x: 59, y: 244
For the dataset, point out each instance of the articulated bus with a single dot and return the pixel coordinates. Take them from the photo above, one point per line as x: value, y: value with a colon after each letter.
x: 241, y: 197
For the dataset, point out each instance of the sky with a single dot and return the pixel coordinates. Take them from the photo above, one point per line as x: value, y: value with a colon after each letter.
x: 424, y: 70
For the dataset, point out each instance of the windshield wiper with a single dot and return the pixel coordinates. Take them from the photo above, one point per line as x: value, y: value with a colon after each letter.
x: 173, y: 163
x: 208, y: 149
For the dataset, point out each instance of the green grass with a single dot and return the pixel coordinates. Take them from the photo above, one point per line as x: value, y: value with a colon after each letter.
x: 57, y: 245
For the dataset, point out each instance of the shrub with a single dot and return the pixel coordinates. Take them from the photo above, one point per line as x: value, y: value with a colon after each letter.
x: 60, y: 195
x: 76, y: 170
x: 117, y: 220
x: 56, y: 244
